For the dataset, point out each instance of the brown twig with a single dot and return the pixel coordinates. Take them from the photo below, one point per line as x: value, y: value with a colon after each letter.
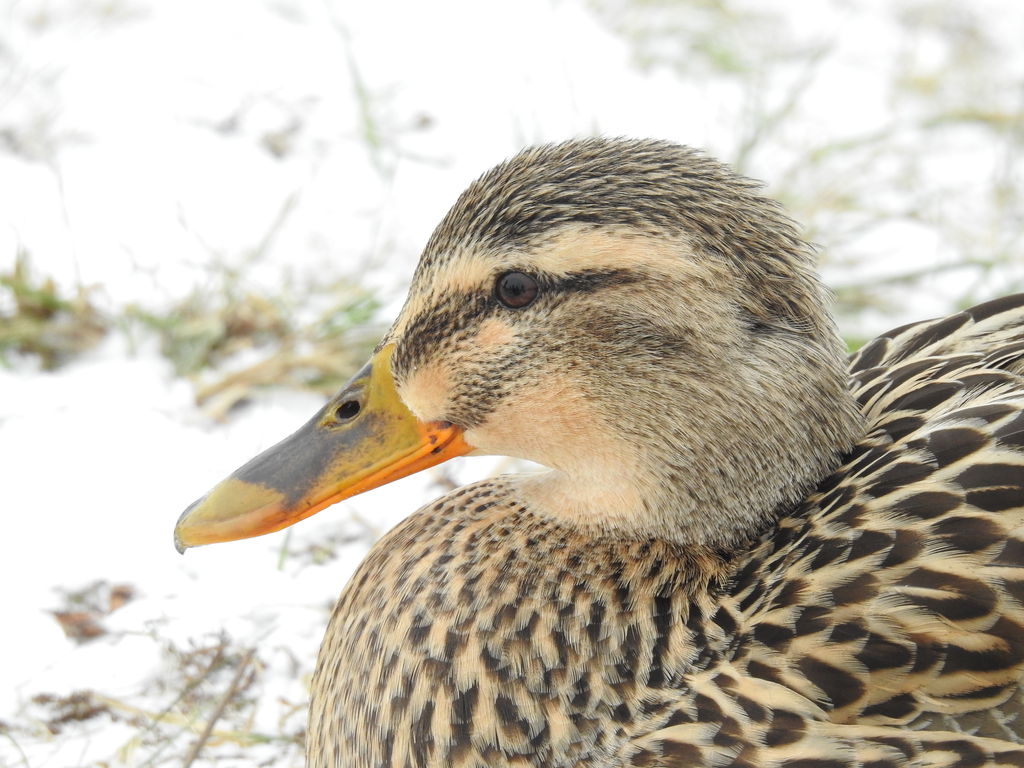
x: 228, y: 695
x: 186, y: 691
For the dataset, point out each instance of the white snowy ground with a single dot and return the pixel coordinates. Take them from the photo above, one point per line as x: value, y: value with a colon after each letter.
x: 142, y: 142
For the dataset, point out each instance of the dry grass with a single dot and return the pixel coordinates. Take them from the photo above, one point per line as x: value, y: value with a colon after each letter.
x: 210, y: 691
x: 207, y: 334
x: 228, y: 341
x: 38, y: 320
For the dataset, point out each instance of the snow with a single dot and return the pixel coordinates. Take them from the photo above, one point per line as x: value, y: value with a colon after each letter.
x: 147, y: 143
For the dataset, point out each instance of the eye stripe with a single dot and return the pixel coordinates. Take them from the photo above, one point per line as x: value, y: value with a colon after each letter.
x: 590, y: 280
x: 460, y: 312
x: 582, y: 281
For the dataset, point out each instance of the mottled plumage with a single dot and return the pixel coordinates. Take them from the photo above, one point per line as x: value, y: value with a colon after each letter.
x: 748, y: 551
x: 893, y: 597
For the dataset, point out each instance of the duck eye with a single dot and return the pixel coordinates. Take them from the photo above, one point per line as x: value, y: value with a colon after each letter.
x: 347, y: 410
x: 516, y: 289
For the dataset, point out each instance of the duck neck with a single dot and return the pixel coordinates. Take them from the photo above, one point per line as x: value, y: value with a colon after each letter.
x: 596, y: 499
x: 708, y: 467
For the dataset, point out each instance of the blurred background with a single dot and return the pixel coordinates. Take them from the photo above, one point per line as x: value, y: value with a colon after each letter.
x: 209, y: 211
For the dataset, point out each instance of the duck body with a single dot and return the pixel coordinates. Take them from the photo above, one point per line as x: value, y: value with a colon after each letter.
x: 879, y: 623
x: 746, y: 550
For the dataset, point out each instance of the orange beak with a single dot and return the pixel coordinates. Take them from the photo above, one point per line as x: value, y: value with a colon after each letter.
x: 363, y: 438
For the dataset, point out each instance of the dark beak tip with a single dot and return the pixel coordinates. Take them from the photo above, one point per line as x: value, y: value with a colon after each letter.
x: 178, y: 545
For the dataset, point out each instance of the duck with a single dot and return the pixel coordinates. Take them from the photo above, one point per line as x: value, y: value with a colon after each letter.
x: 743, y: 547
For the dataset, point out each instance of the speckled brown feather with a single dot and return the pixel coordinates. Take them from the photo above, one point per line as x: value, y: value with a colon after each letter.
x: 878, y: 622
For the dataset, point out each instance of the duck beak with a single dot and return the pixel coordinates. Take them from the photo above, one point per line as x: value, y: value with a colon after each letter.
x: 363, y: 438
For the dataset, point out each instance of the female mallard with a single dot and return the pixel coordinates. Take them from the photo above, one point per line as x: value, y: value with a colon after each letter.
x: 747, y: 550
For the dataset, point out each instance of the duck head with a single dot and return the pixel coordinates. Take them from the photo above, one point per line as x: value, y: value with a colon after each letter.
x: 632, y: 315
